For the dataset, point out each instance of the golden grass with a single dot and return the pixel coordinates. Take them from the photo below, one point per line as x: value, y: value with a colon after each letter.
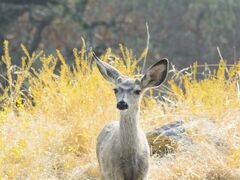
x: 54, y: 137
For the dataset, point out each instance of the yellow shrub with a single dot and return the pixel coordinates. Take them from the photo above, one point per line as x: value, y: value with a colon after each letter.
x: 51, y: 131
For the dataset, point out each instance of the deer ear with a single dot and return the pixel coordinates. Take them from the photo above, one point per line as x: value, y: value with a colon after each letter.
x: 108, y: 72
x: 155, y: 75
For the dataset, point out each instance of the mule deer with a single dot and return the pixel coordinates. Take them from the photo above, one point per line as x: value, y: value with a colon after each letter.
x: 122, y: 147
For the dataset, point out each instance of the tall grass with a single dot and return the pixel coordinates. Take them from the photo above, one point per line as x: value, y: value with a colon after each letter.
x: 51, y: 117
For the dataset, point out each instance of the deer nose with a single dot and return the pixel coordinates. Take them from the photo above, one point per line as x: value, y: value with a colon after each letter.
x: 121, y: 105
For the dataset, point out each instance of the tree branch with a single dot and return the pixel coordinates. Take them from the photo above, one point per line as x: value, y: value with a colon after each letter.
x: 147, y: 47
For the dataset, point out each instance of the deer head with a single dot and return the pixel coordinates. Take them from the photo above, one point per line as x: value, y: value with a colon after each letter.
x: 128, y: 91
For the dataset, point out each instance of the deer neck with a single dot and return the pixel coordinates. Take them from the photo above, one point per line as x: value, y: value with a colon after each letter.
x: 129, y: 129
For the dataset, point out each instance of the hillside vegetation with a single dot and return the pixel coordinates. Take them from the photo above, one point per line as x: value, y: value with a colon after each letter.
x: 183, y: 31
x: 50, y: 117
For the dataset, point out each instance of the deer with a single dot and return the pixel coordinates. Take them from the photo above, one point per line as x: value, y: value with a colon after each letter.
x: 122, y: 148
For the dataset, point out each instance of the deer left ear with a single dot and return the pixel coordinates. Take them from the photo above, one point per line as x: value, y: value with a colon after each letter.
x: 155, y: 75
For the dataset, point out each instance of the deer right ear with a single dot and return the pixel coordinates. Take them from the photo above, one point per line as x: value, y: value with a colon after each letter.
x: 108, y: 72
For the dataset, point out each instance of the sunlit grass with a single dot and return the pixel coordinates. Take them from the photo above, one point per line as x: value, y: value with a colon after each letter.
x: 50, y: 131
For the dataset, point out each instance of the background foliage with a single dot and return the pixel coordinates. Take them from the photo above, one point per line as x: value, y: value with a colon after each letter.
x: 50, y: 131
x: 183, y: 31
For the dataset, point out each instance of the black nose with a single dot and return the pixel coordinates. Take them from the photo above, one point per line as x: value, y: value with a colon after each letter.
x: 122, y: 105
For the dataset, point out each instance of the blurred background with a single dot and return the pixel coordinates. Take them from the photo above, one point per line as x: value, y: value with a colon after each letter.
x: 183, y: 31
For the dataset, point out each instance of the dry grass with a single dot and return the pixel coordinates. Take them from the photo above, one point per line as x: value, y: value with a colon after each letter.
x: 55, y: 138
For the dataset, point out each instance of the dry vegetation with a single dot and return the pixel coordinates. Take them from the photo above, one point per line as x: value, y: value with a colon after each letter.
x: 50, y: 133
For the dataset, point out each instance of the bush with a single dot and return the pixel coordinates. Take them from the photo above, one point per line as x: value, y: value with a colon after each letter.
x: 51, y: 116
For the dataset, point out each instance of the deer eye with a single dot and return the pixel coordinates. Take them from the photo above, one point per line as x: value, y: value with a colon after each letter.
x: 115, y: 90
x: 137, y: 92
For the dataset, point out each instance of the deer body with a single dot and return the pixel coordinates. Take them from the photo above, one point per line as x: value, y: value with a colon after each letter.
x: 122, y: 147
